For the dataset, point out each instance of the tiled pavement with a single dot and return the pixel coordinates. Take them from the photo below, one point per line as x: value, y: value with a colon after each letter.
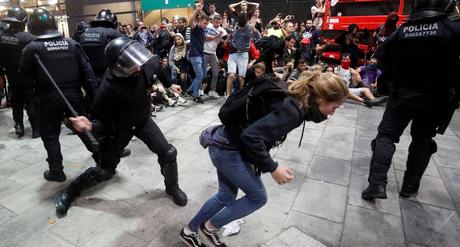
x: 321, y: 207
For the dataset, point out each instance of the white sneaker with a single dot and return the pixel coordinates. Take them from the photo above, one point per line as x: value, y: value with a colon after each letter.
x: 171, y: 102
x: 181, y: 101
x: 201, y: 92
x: 213, y: 94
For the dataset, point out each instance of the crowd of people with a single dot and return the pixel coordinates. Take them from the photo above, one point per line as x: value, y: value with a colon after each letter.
x: 273, y: 77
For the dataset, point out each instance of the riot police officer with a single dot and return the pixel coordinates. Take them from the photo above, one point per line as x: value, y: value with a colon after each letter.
x: 12, y: 42
x: 121, y: 110
x: 94, y: 40
x: 67, y: 63
x: 79, y: 30
x: 429, y: 40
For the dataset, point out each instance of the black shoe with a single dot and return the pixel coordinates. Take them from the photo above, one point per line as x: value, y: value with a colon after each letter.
x: 179, y: 197
x: 19, y: 129
x: 191, y: 240
x: 407, y: 189
x: 126, y: 152
x: 54, y: 175
x: 198, y: 100
x: 212, y: 235
x: 35, y: 134
x: 63, y: 200
x: 367, y: 103
x: 374, y: 191
x: 379, y: 101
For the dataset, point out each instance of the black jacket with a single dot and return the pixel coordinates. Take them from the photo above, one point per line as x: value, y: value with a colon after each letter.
x: 421, y: 59
x: 11, y: 45
x: 255, y: 141
x: 123, y: 103
x: 65, y: 60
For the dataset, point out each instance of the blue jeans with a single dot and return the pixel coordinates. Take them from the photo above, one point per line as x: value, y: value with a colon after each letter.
x: 233, y: 173
x: 199, y: 66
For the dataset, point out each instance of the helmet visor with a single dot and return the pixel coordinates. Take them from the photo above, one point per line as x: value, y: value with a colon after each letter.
x: 131, y: 60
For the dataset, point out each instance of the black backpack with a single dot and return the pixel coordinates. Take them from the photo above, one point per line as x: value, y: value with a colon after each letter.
x: 252, y: 103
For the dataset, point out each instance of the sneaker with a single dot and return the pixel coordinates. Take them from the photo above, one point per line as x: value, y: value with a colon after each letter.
x: 201, y: 92
x: 158, y: 108
x: 198, y: 100
x: 212, y: 235
x: 172, y: 102
x: 181, y: 101
x: 379, y: 101
x: 191, y: 240
x: 213, y: 94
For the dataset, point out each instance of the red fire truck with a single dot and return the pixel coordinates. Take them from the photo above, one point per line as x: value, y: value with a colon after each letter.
x: 367, y: 14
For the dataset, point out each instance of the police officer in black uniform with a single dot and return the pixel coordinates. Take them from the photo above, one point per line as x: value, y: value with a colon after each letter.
x: 121, y: 110
x: 68, y: 65
x: 12, y: 42
x: 420, y: 61
x: 94, y: 40
x: 79, y: 30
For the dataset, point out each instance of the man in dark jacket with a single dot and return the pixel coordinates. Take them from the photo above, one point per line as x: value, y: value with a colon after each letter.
x: 121, y: 110
x: 12, y: 42
x: 420, y: 96
x: 67, y: 63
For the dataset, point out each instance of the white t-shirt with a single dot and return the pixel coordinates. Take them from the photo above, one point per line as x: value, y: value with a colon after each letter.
x: 318, y: 21
x: 345, y: 74
x: 211, y: 45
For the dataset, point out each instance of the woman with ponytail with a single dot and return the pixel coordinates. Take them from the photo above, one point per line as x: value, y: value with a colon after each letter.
x: 240, y: 157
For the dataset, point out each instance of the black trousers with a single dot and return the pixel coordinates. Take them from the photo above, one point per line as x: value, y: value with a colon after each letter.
x: 52, y: 112
x: 111, y: 146
x: 22, y: 97
x: 424, y: 115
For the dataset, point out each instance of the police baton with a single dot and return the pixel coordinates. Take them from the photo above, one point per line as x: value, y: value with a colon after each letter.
x: 74, y: 113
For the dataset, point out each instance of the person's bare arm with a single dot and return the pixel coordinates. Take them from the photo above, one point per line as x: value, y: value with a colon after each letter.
x: 356, y: 77
x: 192, y: 20
x: 254, y: 4
x: 232, y: 6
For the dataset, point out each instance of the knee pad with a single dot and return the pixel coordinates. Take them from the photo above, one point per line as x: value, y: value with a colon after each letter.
x: 169, y: 157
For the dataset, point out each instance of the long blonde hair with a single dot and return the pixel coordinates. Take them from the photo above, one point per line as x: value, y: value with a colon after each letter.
x: 326, y: 86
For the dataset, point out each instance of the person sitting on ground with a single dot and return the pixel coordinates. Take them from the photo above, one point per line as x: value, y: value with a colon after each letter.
x: 240, y: 155
x: 352, y: 79
x: 301, y: 67
x: 178, y: 99
x: 369, y: 74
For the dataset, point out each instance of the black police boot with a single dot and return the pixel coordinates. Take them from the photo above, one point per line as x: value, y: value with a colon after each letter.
x: 169, y: 171
x: 54, y: 175
x: 63, y: 200
x: 126, y: 152
x: 409, y: 186
x: 374, y: 191
x: 19, y: 129
x: 367, y: 103
x: 379, y: 101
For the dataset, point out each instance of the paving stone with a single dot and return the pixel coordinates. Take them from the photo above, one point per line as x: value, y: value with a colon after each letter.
x: 360, y: 164
x: 5, y: 214
x: 451, y: 179
x: 7, y: 186
x: 311, y: 136
x: 315, y: 199
x: 340, y: 133
x: 330, y: 170
x: 448, y: 158
x: 168, y: 236
x: 300, y: 172
x: 347, y: 120
x: 295, y: 238
x: 47, y: 239
x: 362, y: 144
x: 432, y: 191
x: 291, y: 151
x: 326, y: 231
x: 335, y: 149
x: 400, y: 159
x: 391, y: 205
x: 28, y: 225
x: 370, y: 132
x: 429, y: 225
x: 365, y: 227
x: 114, y: 237
x: 11, y: 166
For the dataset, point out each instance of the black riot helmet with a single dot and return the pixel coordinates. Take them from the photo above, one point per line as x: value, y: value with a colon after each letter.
x: 16, y: 14
x: 125, y: 56
x: 424, y: 9
x: 42, y: 24
x: 105, y: 18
